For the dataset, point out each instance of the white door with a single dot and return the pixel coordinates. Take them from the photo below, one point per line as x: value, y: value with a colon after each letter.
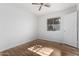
x: 70, y: 29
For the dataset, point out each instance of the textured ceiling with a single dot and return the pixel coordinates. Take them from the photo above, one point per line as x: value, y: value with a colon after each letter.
x: 54, y: 7
x: 45, y: 10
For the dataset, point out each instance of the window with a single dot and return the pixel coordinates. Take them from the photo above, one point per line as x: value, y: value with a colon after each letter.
x: 53, y: 24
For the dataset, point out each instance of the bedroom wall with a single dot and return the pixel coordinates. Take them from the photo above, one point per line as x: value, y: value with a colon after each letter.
x: 78, y: 28
x: 78, y: 22
x: 70, y: 29
x: 57, y: 36
x: 16, y: 26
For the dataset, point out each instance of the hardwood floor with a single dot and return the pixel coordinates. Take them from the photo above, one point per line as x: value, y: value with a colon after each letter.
x: 22, y: 50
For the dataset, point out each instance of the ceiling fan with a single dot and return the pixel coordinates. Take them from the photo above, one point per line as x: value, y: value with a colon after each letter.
x: 41, y: 5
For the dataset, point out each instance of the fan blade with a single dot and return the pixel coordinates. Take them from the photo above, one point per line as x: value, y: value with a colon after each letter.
x: 36, y: 4
x: 47, y: 5
x: 40, y: 7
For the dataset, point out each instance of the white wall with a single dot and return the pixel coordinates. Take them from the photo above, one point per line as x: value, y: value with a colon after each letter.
x: 16, y: 26
x: 51, y: 35
x: 57, y: 36
x: 78, y: 21
x: 70, y: 29
x: 78, y: 27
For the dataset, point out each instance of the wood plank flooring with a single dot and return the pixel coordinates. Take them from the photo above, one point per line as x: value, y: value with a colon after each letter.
x: 22, y: 50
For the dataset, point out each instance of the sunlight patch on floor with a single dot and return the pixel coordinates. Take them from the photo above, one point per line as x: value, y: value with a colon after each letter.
x: 39, y: 49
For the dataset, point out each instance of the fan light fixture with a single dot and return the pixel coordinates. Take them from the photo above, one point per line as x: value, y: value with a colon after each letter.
x: 41, y: 5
